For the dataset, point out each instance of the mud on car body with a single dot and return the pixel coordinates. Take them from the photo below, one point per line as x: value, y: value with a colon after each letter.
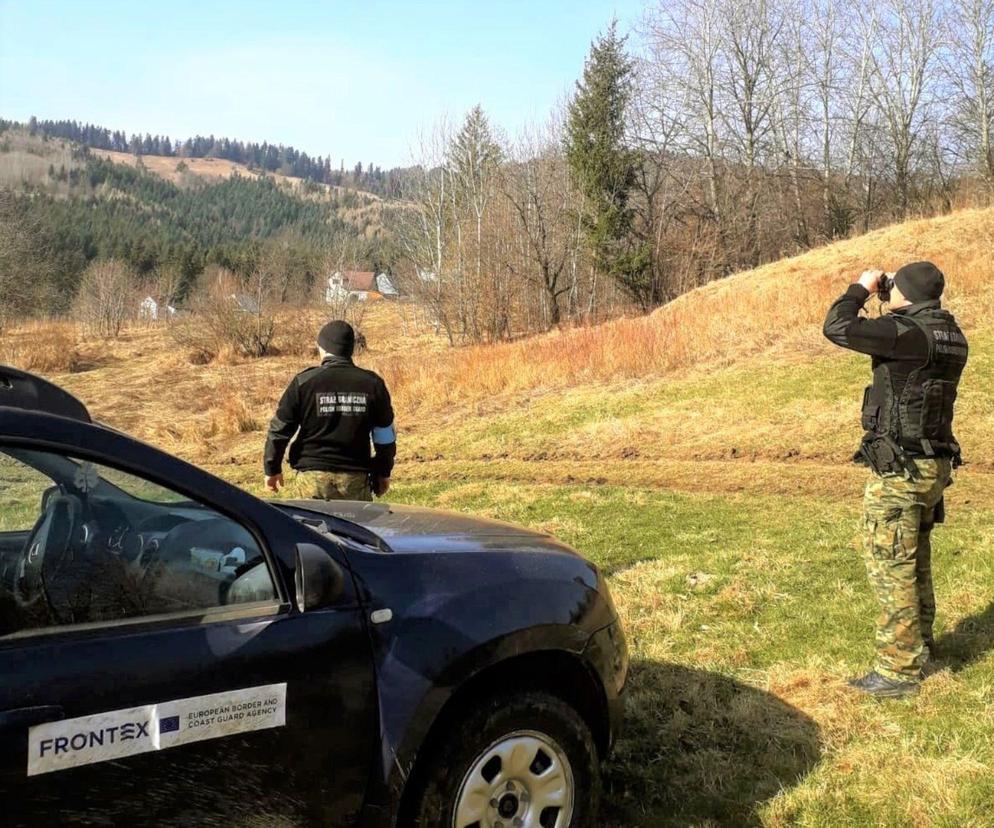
x: 176, y: 651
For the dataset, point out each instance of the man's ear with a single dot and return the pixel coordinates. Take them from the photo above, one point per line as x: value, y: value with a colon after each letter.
x: 897, y: 299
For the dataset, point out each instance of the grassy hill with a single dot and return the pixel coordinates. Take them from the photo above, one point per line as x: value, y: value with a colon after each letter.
x: 180, y: 170
x: 700, y: 456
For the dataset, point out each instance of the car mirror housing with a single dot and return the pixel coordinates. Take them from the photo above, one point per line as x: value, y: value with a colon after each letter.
x: 319, y: 580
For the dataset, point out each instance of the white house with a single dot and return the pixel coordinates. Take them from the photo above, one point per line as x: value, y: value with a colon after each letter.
x: 350, y: 284
x: 360, y: 285
x: 151, y: 309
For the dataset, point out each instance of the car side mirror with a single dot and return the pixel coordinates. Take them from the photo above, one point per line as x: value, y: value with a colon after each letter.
x: 319, y: 580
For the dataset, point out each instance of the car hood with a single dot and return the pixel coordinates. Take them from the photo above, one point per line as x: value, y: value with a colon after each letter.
x: 417, y: 529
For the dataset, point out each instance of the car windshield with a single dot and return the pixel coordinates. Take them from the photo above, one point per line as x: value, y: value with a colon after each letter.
x: 82, y: 476
x: 81, y: 542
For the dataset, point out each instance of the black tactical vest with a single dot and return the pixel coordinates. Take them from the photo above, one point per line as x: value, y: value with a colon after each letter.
x: 913, y: 402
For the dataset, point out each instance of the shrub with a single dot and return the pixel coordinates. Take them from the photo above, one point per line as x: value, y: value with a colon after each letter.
x: 106, y: 298
x: 221, y: 320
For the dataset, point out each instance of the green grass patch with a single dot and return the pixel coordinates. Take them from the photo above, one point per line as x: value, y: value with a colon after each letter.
x: 745, y: 614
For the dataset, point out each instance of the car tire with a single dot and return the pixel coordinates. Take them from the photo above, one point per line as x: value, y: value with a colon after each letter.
x: 509, y: 762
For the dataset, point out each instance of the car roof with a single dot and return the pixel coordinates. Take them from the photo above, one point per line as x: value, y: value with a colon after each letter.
x: 29, y: 392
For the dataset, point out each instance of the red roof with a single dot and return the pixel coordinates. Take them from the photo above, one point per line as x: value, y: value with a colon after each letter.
x: 359, y: 280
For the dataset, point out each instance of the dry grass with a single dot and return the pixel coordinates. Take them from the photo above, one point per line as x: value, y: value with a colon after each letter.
x: 45, y: 347
x: 212, y: 168
x: 778, y: 307
x: 165, y: 166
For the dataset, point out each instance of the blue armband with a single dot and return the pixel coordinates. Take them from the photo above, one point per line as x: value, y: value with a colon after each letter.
x: 384, y: 436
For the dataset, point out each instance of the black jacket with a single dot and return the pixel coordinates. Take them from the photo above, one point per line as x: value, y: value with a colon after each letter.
x: 335, y: 409
x: 880, y: 338
x: 918, y: 355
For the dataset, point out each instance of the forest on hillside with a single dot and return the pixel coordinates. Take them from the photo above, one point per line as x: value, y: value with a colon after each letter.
x: 263, y: 157
x: 164, y: 233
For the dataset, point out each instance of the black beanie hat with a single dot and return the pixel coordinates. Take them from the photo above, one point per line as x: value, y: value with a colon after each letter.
x: 920, y: 281
x: 337, y: 338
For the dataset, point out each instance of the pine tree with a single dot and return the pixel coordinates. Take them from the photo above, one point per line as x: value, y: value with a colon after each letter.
x: 603, y: 166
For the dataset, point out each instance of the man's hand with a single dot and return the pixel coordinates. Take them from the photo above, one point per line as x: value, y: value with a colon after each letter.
x: 871, y: 280
x: 274, y: 482
x: 381, y: 485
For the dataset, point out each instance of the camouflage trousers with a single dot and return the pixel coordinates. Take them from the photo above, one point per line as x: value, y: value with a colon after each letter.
x: 898, y: 515
x: 324, y: 485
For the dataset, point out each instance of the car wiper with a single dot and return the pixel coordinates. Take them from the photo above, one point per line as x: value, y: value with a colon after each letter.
x: 342, y: 528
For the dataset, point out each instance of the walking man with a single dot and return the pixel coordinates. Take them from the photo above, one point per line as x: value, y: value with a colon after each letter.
x: 919, y: 353
x: 335, y: 409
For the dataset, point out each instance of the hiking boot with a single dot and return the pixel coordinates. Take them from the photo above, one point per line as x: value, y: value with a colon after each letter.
x: 933, y: 664
x: 881, y: 687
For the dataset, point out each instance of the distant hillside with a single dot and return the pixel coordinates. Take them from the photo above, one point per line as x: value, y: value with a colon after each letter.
x: 259, y: 158
x: 182, y: 171
x: 85, y: 204
x: 28, y: 161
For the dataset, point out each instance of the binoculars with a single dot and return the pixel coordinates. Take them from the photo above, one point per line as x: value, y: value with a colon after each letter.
x: 884, y: 287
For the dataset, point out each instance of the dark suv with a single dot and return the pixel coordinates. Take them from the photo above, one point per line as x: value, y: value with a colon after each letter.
x: 176, y: 651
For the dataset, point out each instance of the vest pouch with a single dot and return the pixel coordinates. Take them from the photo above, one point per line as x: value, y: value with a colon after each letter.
x: 937, y: 409
x: 871, y: 411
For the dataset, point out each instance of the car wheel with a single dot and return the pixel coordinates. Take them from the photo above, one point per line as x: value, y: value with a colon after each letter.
x: 521, y: 761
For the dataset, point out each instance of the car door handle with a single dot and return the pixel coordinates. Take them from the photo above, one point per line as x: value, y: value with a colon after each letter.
x: 21, y: 717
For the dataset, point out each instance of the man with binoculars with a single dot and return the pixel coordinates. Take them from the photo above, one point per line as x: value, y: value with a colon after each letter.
x: 919, y: 353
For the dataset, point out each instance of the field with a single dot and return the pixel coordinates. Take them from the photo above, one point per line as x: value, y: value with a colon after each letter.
x: 26, y: 160
x: 700, y: 457
x: 181, y: 170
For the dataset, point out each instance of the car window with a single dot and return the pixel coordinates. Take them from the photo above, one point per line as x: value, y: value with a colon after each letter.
x: 83, y: 543
x: 21, y: 491
x: 140, y: 488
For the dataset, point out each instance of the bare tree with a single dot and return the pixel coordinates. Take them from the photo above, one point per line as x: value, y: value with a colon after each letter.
x: 686, y: 44
x: 824, y: 71
x: 904, y: 61
x: 970, y: 73
x: 286, y: 265
x: 346, y: 253
x: 753, y: 32
x: 537, y: 185
x: 106, y: 297
x: 424, y: 230
x: 663, y: 186
x: 227, y: 311
x: 163, y: 286
x: 475, y: 158
x: 791, y: 115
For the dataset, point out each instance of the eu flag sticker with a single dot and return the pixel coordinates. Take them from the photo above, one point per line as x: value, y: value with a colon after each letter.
x: 170, y: 724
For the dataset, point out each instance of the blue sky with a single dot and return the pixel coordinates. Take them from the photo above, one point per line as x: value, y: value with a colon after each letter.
x: 355, y: 79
